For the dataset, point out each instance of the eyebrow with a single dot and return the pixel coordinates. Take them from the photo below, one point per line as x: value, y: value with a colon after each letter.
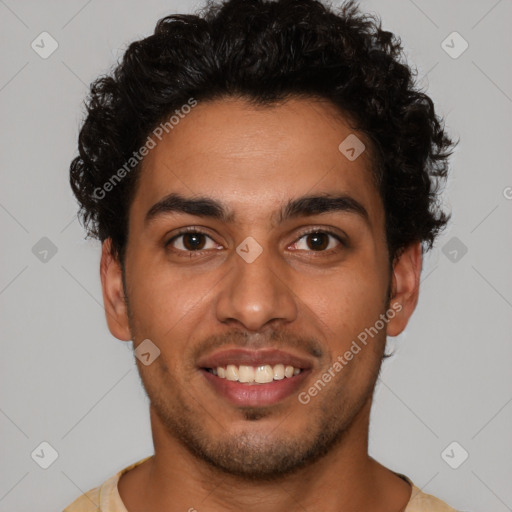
x: 300, y: 207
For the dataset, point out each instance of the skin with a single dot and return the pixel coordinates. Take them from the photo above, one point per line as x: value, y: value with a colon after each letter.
x: 291, y: 297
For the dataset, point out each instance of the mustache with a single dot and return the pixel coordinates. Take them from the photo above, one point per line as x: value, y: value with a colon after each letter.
x: 276, y: 339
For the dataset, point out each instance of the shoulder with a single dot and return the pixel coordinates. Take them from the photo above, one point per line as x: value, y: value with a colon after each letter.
x: 104, y: 498
x: 88, y: 502
x: 422, y: 502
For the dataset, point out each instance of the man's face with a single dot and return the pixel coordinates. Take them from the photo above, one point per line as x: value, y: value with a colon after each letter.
x: 301, y: 302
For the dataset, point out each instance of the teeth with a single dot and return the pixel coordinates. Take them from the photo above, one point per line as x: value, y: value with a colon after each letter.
x: 279, y: 372
x: 261, y: 374
x: 264, y: 374
x: 245, y: 374
x: 231, y: 372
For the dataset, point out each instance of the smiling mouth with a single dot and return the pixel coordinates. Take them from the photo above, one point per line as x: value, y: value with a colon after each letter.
x: 254, y: 378
x: 261, y: 374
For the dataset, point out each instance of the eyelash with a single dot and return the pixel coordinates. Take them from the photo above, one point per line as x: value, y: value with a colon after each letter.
x: 193, y: 230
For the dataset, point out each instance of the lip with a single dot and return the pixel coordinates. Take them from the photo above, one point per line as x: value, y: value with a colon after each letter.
x: 252, y: 394
x: 255, y: 395
x: 253, y: 358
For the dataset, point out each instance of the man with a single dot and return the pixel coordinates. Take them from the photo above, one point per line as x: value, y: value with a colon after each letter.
x: 264, y: 179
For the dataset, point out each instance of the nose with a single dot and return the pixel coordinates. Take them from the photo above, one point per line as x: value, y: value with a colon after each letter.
x: 256, y: 294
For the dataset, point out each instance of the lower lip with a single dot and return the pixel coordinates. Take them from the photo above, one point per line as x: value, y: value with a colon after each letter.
x: 255, y: 395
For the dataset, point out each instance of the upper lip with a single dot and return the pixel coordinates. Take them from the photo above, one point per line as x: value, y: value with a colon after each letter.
x: 253, y: 358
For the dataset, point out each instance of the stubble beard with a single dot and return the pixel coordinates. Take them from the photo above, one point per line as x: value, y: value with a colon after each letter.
x: 248, y: 455
x: 252, y: 456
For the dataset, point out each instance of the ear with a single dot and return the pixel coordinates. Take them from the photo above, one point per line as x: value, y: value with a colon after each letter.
x: 113, y: 293
x: 405, y: 288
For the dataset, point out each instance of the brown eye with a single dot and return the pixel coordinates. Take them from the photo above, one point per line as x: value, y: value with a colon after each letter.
x: 318, y: 241
x: 191, y: 241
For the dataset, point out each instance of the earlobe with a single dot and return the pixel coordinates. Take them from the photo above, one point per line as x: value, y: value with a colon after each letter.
x: 405, y: 287
x: 113, y: 293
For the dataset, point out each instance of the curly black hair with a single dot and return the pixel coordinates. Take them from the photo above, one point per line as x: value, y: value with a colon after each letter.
x: 267, y: 52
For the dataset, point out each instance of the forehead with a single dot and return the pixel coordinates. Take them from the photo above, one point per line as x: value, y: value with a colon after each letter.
x: 253, y: 159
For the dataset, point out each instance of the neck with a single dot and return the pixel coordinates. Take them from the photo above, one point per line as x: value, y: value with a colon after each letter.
x: 344, y: 479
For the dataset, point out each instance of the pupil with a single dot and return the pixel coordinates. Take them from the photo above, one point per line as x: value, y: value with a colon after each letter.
x: 318, y: 241
x: 192, y: 241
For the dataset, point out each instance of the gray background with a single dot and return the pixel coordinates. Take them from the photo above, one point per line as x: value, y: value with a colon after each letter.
x: 65, y: 380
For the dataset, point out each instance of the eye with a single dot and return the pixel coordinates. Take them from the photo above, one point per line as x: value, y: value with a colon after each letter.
x: 191, y: 240
x: 319, y: 241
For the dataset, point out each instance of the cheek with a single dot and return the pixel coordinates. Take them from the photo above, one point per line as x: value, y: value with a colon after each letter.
x: 344, y: 304
x: 162, y: 300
